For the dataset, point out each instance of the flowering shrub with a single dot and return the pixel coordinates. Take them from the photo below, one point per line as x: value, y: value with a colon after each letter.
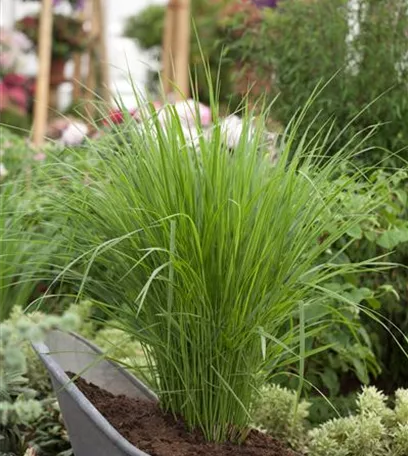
x: 16, y: 90
x: 12, y: 45
x: 68, y: 34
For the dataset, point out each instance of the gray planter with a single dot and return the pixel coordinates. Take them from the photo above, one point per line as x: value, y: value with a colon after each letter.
x: 89, y: 432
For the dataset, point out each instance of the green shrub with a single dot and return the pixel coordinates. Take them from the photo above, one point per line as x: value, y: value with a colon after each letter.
x: 277, y: 411
x: 302, y: 43
x: 376, y: 430
x: 25, y: 251
x: 147, y: 27
x: 25, y: 399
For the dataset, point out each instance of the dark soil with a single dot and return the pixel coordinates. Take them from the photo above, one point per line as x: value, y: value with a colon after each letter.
x: 145, y: 425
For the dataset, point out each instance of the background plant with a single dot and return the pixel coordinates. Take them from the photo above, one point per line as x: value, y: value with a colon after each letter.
x: 301, y: 43
x: 26, y: 405
x: 68, y: 33
x: 376, y: 429
x: 31, y: 254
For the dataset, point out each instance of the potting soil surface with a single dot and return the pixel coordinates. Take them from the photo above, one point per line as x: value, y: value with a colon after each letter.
x: 145, y: 425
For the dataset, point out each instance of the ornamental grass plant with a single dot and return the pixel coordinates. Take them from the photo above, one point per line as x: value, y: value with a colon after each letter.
x: 212, y: 258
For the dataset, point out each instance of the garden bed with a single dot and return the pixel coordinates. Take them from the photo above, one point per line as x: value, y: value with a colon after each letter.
x: 145, y: 425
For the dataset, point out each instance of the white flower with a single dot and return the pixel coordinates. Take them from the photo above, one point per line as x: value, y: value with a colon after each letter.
x: 231, y: 129
x: 74, y: 133
x: 21, y: 40
x: 187, y: 111
x: 3, y: 171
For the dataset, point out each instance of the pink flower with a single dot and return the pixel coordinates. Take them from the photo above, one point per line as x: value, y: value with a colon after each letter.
x: 13, y: 79
x: 6, y: 61
x: 74, y: 134
x: 187, y: 111
x: 21, y: 40
x: 40, y: 156
x: 18, y: 96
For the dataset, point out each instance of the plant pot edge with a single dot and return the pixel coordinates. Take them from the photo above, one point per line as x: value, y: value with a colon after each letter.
x: 55, y: 370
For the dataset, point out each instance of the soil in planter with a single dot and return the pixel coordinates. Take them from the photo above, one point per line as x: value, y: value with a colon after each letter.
x: 145, y: 425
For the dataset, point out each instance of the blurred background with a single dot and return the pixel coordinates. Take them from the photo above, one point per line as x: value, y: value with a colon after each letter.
x: 126, y: 58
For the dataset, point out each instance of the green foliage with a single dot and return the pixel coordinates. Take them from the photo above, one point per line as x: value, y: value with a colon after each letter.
x: 24, y: 250
x: 278, y: 411
x: 216, y: 264
x: 24, y: 388
x: 372, y: 292
x: 147, y: 27
x: 376, y: 430
x: 301, y: 43
x: 324, y: 408
x: 17, y: 121
x: 28, y: 258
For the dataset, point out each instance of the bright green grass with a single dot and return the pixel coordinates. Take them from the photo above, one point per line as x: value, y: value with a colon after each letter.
x: 212, y: 259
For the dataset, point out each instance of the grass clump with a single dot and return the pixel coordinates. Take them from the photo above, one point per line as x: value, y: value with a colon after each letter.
x: 212, y: 259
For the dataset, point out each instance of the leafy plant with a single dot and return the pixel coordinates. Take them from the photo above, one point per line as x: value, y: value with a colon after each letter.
x: 68, y: 33
x: 300, y: 43
x: 24, y: 251
x: 376, y: 430
x: 278, y: 411
x: 384, y: 229
x: 212, y: 260
x: 23, y: 382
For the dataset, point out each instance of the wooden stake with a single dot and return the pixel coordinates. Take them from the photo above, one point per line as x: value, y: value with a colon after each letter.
x: 90, y: 84
x: 182, y: 50
x: 104, y: 60
x: 168, y: 46
x: 76, y: 83
x: 43, y: 76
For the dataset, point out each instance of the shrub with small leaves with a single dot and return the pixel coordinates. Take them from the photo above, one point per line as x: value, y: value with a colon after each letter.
x: 23, y: 382
x: 278, y: 411
x: 376, y: 430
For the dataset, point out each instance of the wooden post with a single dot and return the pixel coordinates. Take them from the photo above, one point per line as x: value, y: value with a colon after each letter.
x: 168, y: 46
x: 90, y: 84
x: 43, y: 77
x: 103, y: 52
x: 76, y: 82
x: 182, y: 50
x: 77, y: 77
x: 176, y: 49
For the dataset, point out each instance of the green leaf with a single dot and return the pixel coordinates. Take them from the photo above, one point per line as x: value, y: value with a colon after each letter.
x: 355, y: 232
x: 391, y: 238
x: 374, y: 303
x: 330, y: 380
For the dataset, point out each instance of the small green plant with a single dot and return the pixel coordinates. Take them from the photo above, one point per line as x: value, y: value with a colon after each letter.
x: 376, y: 430
x: 24, y: 387
x: 278, y: 411
x: 24, y: 250
x: 212, y: 259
